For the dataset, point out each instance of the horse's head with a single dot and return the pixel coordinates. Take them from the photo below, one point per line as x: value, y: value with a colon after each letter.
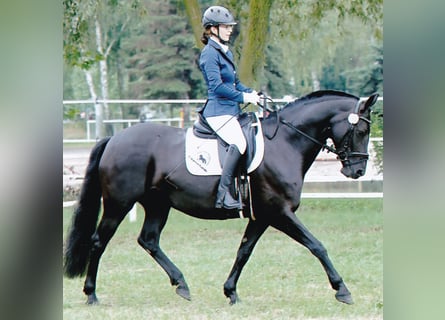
x: 350, y: 133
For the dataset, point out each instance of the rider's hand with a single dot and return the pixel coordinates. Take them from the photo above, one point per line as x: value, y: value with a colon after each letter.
x: 251, y: 97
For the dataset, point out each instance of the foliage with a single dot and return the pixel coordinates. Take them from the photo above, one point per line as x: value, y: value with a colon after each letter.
x: 297, y: 30
x: 377, y: 131
x: 293, y: 46
x: 271, y: 81
x: 161, y: 58
x: 311, y: 13
x: 79, y: 18
x: 70, y: 113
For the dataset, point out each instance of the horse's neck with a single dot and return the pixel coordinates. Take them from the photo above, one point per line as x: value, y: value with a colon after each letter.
x: 313, y: 120
x: 315, y: 116
x: 310, y: 119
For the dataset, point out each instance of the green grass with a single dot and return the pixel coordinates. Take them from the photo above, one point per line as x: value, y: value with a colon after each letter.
x: 282, y: 280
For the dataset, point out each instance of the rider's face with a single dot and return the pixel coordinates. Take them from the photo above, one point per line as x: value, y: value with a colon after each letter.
x: 225, y: 31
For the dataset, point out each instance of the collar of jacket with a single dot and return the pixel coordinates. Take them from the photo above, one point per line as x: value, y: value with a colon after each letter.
x: 216, y: 45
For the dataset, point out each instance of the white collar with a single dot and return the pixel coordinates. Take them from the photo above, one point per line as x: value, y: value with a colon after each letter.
x: 223, y: 46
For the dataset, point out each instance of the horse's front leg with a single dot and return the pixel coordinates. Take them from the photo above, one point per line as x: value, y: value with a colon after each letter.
x: 288, y: 223
x: 252, y: 233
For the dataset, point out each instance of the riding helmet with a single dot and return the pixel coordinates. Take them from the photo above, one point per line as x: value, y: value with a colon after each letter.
x: 216, y: 15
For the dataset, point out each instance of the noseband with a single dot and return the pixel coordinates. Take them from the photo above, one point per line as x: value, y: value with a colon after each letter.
x: 345, y: 151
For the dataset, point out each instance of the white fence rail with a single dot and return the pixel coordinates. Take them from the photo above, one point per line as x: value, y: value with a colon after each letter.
x: 162, y: 101
x: 174, y: 121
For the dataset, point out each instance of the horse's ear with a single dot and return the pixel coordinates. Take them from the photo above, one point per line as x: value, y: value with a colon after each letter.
x: 371, y: 101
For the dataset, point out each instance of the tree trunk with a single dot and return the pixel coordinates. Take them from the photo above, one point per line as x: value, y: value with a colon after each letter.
x: 253, y: 51
x: 315, y: 81
x: 97, y: 106
x: 120, y: 85
x: 103, y: 72
x: 194, y: 16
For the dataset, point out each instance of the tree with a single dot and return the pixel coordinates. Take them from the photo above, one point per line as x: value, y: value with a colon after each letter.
x: 255, y: 39
x: 91, y: 29
x: 161, y: 57
x: 275, y: 80
x: 288, y: 21
x: 194, y: 16
x: 281, y: 46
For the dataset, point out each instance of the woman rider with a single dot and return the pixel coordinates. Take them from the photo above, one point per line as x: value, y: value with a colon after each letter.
x: 225, y: 93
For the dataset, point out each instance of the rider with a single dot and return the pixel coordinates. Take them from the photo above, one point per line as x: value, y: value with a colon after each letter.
x: 225, y: 93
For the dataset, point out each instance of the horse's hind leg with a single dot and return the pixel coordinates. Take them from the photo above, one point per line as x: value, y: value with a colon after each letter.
x: 292, y: 226
x: 156, y: 214
x: 112, y: 217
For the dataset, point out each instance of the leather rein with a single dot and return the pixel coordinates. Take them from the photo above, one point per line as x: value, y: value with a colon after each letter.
x: 345, y: 151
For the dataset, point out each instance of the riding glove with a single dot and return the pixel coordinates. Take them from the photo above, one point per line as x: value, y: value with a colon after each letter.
x: 251, y: 97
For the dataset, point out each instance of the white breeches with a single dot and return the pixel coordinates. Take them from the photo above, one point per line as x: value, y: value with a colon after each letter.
x: 229, y: 129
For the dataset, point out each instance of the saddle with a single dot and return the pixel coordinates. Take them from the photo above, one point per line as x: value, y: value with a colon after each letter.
x: 249, y: 125
x: 205, y: 152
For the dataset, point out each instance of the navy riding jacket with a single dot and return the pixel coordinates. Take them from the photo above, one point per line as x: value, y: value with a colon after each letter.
x: 225, y: 91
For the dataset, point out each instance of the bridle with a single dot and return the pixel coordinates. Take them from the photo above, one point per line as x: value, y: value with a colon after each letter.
x: 344, y: 152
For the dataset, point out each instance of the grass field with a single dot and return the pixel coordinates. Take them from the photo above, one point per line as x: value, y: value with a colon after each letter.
x: 282, y: 280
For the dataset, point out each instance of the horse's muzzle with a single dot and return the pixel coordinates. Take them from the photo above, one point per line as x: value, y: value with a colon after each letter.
x: 349, y: 172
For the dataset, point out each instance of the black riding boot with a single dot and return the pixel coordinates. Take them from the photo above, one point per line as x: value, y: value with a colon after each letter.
x: 224, y: 197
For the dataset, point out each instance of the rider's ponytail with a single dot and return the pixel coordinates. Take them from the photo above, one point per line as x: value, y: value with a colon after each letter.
x: 205, y: 36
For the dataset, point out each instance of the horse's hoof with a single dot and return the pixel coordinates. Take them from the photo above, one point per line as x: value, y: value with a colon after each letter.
x: 344, y: 297
x: 184, y: 292
x: 92, y: 299
x: 234, y: 299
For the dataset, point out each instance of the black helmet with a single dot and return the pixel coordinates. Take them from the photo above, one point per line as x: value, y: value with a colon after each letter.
x: 217, y: 15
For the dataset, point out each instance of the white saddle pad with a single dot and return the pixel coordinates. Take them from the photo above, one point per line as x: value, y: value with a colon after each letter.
x: 201, y: 155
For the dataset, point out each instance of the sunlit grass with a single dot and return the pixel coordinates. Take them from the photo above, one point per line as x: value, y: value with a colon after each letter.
x: 282, y: 280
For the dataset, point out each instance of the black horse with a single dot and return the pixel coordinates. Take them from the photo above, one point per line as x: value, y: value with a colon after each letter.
x: 133, y: 166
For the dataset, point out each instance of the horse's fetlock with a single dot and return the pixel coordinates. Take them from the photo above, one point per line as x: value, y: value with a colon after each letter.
x: 89, y: 288
x: 229, y: 289
x: 338, y: 284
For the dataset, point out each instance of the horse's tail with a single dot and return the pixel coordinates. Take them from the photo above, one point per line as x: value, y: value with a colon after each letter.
x: 84, y: 221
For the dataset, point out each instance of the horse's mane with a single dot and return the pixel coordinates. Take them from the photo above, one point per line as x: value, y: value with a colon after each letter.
x: 298, y: 104
x: 318, y: 95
